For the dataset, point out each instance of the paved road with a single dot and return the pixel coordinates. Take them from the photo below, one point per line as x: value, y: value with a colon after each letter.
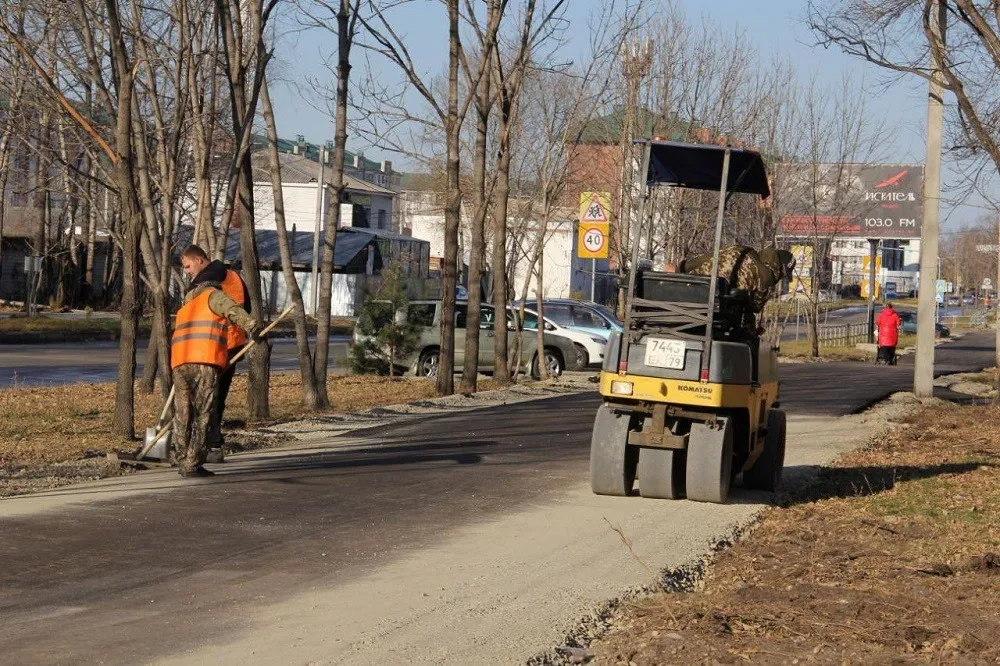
x: 182, y: 565
x: 86, y: 362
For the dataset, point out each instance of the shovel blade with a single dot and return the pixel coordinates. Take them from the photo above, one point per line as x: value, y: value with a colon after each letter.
x: 160, y: 450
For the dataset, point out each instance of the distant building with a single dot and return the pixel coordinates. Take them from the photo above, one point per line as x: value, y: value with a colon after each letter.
x: 365, y: 204
x: 356, y: 165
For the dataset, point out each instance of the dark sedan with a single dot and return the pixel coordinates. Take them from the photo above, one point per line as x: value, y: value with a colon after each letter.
x: 910, y: 325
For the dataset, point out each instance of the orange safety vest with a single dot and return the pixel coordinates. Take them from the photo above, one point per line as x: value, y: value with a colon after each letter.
x: 233, y: 287
x: 199, y: 334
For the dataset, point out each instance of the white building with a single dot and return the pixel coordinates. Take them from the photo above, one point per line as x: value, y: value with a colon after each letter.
x: 421, y: 215
x: 366, y: 205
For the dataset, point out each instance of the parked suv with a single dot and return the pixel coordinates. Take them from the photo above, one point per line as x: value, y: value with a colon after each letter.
x: 559, y: 353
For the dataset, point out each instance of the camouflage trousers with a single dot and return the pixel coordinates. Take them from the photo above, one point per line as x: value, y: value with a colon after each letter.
x: 194, y: 401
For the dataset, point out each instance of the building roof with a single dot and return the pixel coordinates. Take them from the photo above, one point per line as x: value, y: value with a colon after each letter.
x: 301, y: 169
x: 608, y: 129
x: 310, y: 150
x: 349, y: 254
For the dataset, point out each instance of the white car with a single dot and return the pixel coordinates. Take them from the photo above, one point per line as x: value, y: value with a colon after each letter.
x: 589, y: 346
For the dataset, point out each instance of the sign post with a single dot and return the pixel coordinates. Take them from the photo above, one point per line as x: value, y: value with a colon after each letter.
x: 872, y: 261
x: 595, y: 233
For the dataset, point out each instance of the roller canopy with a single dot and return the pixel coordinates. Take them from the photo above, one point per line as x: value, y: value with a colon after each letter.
x: 699, y: 167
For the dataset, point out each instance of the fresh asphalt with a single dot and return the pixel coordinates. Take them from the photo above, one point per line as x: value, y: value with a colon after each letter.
x: 90, y: 362
x: 136, y: 577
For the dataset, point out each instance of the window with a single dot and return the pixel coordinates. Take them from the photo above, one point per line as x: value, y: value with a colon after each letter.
x: 530, y: 321
x: 587, y: 319
x: 421, y: 314
x: 460, y: 316
x: 608, y: 313
x: 560, y: 314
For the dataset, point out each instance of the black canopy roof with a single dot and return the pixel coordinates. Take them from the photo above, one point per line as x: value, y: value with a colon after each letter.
x: 699, y: 167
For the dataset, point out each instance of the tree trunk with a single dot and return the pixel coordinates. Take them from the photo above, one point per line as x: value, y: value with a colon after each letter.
x: 259, y: 364
x: 501, y: 361
x: 310, y: 399
x: 477, y: 249
x: 543, y: 370
x: 345, y: 40
x: 445, y: 383
x: 148, y: 380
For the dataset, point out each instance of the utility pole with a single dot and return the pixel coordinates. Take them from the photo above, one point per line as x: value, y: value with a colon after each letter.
x: 923, y: 368
x: 636, y: 58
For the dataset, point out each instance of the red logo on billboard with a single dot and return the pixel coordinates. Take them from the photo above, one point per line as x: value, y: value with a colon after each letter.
x: 893, y: 180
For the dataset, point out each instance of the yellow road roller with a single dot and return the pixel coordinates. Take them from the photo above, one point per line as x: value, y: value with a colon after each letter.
x: 690, y: 391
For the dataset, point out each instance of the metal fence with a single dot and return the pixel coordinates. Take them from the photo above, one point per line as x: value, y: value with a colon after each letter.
x: 974, y: 319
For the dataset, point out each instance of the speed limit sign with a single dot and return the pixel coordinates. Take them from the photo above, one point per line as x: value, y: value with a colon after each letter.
x: 593, y: 240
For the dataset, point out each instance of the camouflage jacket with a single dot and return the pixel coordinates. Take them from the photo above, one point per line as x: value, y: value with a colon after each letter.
x: 223, y: 306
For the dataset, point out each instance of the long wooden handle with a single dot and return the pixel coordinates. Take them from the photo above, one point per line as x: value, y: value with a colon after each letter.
x: 166, y: 406
x: 267, y: 330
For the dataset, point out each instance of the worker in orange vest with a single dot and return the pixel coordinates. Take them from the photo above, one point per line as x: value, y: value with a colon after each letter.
x: 199, y: 354
x: 202, y: 270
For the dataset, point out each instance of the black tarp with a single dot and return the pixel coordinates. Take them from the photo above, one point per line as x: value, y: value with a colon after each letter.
x: 699, y: 167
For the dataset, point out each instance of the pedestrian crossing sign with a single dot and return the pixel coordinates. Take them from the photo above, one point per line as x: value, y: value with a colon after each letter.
x: 594, y: 206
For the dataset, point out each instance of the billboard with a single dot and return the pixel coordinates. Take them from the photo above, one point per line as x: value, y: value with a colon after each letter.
x: 853, y: 200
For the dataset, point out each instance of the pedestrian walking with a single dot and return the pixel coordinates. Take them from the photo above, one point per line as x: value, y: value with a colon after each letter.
x: 888, y: 324
x: 202, y: 270
x: 199, y: 354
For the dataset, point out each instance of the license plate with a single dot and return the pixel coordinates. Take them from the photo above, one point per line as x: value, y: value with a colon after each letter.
x: 662, y: 353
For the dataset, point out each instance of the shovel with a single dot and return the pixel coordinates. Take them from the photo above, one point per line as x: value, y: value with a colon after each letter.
x: 159, y: 437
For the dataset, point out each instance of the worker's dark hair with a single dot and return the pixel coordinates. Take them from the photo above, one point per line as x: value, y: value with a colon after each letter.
x: 888, y: 304
x: 194, y: 252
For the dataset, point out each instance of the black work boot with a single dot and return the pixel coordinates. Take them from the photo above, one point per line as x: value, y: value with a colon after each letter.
x: 196, y: 473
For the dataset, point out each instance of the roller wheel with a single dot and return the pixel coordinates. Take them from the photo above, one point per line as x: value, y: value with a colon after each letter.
x: 661, y: 473
x: 612, y: 460
x: 766, y: 471
x: 709, y: 462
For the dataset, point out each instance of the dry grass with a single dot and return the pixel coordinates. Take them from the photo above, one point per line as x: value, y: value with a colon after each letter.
x: 890, y: 554
x: 45, y: 427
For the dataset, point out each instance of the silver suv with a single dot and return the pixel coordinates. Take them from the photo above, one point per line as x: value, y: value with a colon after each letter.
x: 427, y: 315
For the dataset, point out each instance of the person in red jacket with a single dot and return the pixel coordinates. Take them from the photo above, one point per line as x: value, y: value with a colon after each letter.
x: 888, y: 324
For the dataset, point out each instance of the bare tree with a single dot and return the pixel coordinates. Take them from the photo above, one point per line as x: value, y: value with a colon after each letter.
x: 307, y: 375
x: 449, y: 115
x: 838, y: 134
x: 245, y: 54
x: 482, y: 195
x: 347, y: 16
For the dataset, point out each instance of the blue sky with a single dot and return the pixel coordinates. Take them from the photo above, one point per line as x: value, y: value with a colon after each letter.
x: 774, y: 25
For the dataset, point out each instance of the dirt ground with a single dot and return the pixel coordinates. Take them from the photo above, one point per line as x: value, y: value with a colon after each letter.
x: 891, y: 555
x: 52, y: 436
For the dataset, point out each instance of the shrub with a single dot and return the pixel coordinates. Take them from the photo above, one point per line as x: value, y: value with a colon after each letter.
x: 383, y: 333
